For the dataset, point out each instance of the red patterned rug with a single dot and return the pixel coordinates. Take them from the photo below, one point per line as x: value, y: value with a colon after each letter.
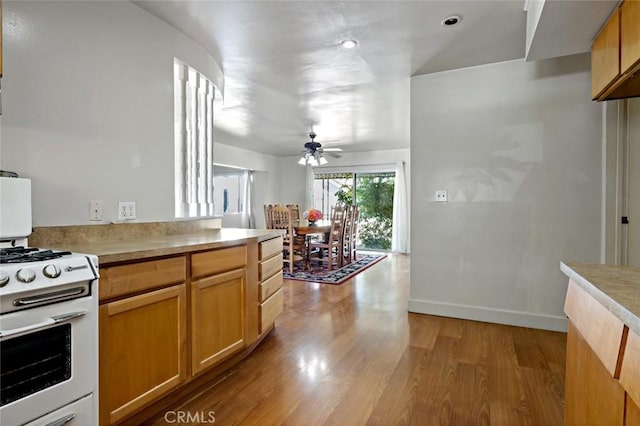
x: 336, y: 276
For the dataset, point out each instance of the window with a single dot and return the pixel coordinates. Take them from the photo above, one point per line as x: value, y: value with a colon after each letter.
x: 193, y: 135
x: 229, y: 193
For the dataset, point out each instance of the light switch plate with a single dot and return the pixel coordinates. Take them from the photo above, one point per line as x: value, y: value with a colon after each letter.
x: 95, y: 210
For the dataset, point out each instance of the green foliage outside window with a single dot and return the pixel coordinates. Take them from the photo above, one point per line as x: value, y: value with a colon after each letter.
x: 374, y: 194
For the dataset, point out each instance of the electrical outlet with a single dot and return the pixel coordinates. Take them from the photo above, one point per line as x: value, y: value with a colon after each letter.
x: 441, y: 196
x: 95, y: 209
x: 126, y: 210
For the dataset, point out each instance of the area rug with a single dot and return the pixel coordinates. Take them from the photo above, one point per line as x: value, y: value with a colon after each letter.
x: 336, y: 276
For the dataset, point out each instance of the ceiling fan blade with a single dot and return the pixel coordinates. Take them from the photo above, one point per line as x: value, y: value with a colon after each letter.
x: 332, y: 149
x: 331, y: 154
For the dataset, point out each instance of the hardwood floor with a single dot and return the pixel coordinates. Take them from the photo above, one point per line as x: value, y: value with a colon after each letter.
x: 352, y: 355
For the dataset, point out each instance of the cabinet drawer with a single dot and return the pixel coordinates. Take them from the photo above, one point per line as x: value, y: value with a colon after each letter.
x: 137, y: 277
x: 216, y: 261
x: 269, y: 267
x: 270, y: 286
x: 600, y: 328
x: 269, y: 248
x: 630, y: 373
x: 270, y: 310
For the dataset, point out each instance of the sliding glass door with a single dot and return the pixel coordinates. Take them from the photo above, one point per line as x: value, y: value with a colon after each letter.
x: 374, y: 197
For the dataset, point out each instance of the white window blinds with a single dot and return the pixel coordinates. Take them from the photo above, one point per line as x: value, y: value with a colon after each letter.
x: 193, y: 126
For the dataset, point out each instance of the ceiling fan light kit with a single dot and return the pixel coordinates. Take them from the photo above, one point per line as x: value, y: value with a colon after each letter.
x: 313, y: 153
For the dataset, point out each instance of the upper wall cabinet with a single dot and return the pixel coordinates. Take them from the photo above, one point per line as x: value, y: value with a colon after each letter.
x: 0, y: 38
x: 615, y: 55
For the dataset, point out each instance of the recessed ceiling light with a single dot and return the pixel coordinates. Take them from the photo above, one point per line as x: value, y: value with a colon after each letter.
x: 348, y: 44
x: 451, y: 20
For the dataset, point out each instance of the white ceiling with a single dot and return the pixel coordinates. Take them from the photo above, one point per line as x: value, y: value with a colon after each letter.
x: 285, y: 72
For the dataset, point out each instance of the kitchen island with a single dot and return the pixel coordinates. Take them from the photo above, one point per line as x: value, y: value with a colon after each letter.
x: 180, y: 304
x: 603, y: 345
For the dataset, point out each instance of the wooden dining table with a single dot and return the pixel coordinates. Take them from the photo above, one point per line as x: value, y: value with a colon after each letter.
x: 321, y: 227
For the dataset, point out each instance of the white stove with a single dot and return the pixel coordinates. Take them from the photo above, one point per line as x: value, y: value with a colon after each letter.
x: 48, y: 326
x: 31, y: 277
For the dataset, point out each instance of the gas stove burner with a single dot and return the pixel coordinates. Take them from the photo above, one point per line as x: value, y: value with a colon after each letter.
x: 28, y: 254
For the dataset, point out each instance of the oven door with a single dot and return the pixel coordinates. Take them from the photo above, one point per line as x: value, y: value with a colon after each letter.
x: 49, y: 358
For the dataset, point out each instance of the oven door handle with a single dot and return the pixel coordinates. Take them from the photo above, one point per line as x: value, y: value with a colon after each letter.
x: 63, y: 421
x: 57, y: 319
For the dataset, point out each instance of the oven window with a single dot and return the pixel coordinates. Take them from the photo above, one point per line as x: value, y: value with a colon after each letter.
x: 34, y: 362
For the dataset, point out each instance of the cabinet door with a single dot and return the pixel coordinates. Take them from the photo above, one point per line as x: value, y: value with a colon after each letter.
x: 632, y: 414
x: 605, y: 58
x: 629, y: 35
x: 217, y: 318
x: 592, y: 395
x: 142, y: 350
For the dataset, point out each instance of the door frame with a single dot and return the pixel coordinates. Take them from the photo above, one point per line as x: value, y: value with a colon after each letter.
x: 615, y: 182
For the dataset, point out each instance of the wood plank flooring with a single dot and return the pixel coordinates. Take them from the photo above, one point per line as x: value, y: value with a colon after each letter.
x: 352, y: 355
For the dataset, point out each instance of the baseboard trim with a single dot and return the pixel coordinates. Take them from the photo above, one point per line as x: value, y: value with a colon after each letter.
x: 482, y: 313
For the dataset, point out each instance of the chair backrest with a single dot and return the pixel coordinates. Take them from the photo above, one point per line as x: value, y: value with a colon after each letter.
x: 337, y: 223
x: 355, y: 216
x: 281, y: 219
x: 348, y: 221
x: 267, y: 216
x: 295, y: 212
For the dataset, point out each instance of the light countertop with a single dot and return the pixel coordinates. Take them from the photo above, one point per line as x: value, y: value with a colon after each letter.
x: 617, y: 288
x: 141, y: 247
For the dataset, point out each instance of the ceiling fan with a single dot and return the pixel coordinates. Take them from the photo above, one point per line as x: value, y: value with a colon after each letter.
x: 312, y: 147
x: 313, y: 152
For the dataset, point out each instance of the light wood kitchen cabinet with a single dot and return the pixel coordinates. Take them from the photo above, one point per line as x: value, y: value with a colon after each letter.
x: 177, y: 321
x: 143, y: 342
x: 605, y: 63
x: 122, y: 280
x: 592, y: 395
x: 629, y: 35
x: 629, y: 378
x: 270, y: 276
x: 218, y: 306
x: 632, y: 413
x: 603, y: 364
x: 615, y: 55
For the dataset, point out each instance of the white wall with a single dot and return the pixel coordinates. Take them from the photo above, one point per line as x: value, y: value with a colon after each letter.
x: 88, y: 106
x: 518, y: 147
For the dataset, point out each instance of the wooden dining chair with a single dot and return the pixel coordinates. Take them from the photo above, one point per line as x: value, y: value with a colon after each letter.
x: 330, y: 251
x: 267, y: 216
x: 293, y: 247
x: 295, y: 213
x: 349, y: 234
x: 353, y: 233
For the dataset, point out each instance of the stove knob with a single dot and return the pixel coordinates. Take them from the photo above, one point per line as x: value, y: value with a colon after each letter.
x: 26, y: 275
x: 51, y: 271
x: 4, y: 279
